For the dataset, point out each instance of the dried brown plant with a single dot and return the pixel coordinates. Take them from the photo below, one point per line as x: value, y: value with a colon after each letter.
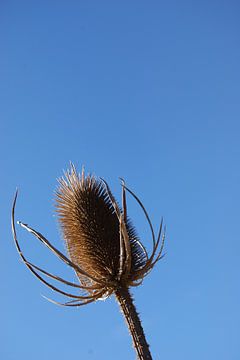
x: 103, y: 247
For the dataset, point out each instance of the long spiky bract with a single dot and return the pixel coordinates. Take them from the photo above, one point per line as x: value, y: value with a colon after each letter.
x: 103, y: 247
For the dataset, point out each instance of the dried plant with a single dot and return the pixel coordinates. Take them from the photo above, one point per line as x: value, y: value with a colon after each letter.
x: 103, y: 247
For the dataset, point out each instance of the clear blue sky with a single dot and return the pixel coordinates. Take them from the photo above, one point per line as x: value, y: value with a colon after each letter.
x: 146, y: 90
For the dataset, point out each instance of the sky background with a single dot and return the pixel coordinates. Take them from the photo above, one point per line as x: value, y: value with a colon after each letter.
x: 146, y: 90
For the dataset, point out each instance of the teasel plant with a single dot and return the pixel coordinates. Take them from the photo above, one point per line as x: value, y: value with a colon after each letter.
x: 103, y: 248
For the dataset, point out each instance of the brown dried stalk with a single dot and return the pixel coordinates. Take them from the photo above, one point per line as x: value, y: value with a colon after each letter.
x: 103, y: 247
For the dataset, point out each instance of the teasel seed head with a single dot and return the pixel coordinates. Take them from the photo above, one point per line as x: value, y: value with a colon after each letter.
x: 90, y: 221
x: 102, y: 244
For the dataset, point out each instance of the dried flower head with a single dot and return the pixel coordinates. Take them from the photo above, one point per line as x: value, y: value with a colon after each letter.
x: 103, y: 247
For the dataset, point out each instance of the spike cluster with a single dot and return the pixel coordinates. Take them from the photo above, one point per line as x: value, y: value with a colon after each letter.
x: 90, y: 226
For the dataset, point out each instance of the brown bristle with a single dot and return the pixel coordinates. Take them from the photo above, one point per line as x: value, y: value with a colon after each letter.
x: 90, y: 227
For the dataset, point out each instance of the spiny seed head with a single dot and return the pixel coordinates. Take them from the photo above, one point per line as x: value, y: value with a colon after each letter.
x: 104, y: 249
x: 91, y: 230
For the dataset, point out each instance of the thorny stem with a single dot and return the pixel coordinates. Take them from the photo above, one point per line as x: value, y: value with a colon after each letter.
x: 129, y: 311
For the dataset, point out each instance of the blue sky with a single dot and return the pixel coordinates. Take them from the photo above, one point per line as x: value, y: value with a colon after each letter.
x: 144, y: 90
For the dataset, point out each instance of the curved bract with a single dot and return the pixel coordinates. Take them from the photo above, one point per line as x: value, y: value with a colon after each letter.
x: 103, y: 247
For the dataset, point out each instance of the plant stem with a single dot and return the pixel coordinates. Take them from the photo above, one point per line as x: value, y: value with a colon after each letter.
x: 129, y: 311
